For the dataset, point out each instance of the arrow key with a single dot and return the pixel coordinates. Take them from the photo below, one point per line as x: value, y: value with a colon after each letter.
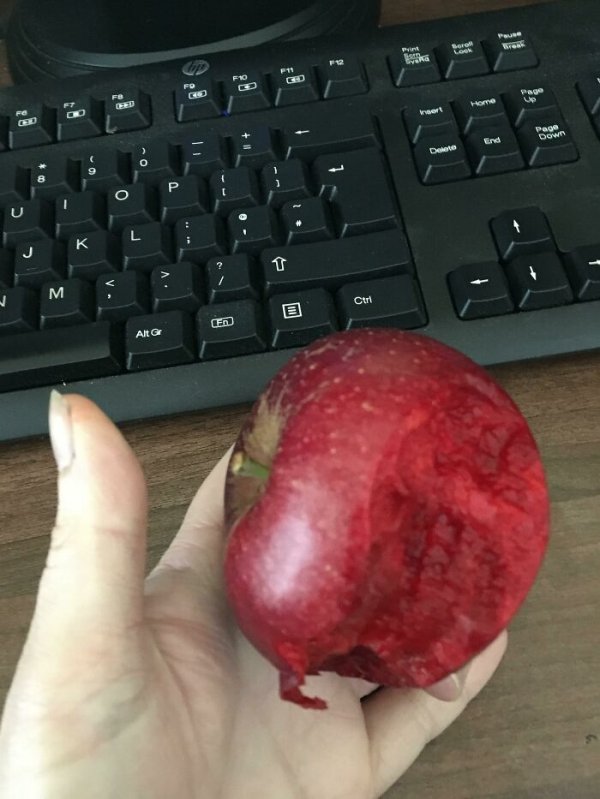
x: 539, y: 281
x: 583, y: 268
x: 523, y: 231
x: 480, y: 290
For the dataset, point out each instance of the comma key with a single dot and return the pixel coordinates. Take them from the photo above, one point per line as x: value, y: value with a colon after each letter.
x: 441, y: 159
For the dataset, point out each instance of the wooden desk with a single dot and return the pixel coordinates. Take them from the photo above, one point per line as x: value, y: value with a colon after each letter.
x: 535, y: 732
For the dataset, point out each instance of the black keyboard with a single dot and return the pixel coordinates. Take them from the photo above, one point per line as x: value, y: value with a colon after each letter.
x: 172, y: 234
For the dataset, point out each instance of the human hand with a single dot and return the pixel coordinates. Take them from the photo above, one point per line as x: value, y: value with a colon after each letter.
x: 146, y: 689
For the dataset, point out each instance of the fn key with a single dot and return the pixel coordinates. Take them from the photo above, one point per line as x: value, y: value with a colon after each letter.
x: 228, y: 329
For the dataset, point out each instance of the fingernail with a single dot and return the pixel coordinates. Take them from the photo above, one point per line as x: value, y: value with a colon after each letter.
x: 61, y: 430
x: 451, y: 687
x: 460, y: 678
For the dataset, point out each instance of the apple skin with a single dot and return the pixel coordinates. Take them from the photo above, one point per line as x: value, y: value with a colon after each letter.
x: 401, y: 522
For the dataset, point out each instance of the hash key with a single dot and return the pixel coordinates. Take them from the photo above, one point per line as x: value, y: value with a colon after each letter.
x: 539, y: 281
x: 230, y: 329
x: 522, y: 231
x: 390, y: 302
x: 306, y: 220
x: 158, y: 340
x: 480, y: 290
x: 297, y: 319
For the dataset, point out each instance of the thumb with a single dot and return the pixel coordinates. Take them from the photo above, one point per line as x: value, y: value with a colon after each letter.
x: 95, y: 568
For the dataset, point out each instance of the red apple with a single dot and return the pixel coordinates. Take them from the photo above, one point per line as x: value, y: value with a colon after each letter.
x: 387, y: 512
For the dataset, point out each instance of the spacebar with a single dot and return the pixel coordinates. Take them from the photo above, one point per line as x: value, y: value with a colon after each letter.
x: 44, y: 357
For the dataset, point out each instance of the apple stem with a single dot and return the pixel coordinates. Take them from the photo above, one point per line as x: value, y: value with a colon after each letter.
x: 243, y: 466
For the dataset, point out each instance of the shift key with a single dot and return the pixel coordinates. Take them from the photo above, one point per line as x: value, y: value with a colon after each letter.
x: 332, y: 264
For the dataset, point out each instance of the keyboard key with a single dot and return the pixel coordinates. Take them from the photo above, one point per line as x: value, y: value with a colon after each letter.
x: 176, y: 287
x: 539, y: 281
x: 67, y: 302
x: 297, y: 319
x: 589, y: 90
x: 347, y: 130
x: 583, y: 268
x: 494, y: 150
x: 531, y: 104
x: 18, y: 311
x: 341, y: 77
x: 509, y: 50
x: 358, y: 188
x: 27, y: 221
x: 47, y: 357
x: 197, y: 99
x: 234, y: 188
x: 129, y: 205
x: 294, y: 84
x: 199, y: 238
x: 284, y: 181
x: 253, y: 230
x: 479, y: 110
x: 390, y: 302
x: 425, y: 119
x: 203, y: 154
x: 104, y: 169
x: 180, y: 197
x: 31, y: 126
x: 79, y: 118
x: 128, y: 109
x: 50, y: 178
x: 39, y: 262
x: 6, y: 269
x: 232, y: 277
x: 230, y: 329
x: 153, y: 162
x: 332, y: 264
x: 480, y: 290
x: 14, y: 186
x: 253, y: 147
x: 164, y: 339
x: 90, y: 255
x: 121, y: 296
x: 146, y: 246
x: 547, y: 142
x: 520, y: 232
x: 306, y: 220
x: 78, y: 213
x: 440, y: 159
x: 414, y: 65
x: 462, y: 59
x: 246, y: 91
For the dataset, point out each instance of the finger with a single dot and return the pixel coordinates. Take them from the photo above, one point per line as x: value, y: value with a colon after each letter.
x: 192, y: 566
x: 95, y: 567
x: 400, y: 723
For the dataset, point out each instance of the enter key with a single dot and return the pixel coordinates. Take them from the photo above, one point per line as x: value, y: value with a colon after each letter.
x: 357, y: 186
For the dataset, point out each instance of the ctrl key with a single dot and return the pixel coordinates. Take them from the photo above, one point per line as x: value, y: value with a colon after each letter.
x: 230, y: 328
x: 441, y: 159
x: 390, y: 302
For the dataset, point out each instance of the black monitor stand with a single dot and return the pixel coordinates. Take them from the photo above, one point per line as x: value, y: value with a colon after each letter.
x: 68, y: 37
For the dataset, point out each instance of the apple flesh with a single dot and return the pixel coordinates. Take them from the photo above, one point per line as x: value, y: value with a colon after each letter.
x: 387, y: 512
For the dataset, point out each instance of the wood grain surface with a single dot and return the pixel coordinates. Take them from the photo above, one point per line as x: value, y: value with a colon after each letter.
x: 535, y: 731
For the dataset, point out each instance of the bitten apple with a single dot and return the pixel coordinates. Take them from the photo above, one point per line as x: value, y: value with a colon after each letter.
x: 387, y: 512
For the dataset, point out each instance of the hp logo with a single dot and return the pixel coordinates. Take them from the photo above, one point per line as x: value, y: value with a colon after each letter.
x: 195, y: 67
